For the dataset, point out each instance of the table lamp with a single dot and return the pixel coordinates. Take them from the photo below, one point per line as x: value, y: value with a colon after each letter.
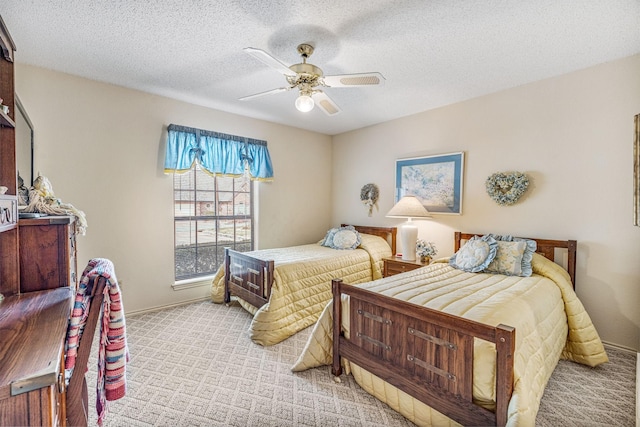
x: 408, y: 207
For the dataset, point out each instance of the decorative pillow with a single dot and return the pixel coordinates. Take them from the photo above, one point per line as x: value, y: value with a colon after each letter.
x: 532, y: 246
x: 475, y: 255
x: 342, y: 238
x: 328, y: 238
x: 508, y: 259
x: 346, y: 239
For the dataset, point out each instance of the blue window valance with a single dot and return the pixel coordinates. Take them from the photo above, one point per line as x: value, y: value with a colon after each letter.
x: 217, y: 153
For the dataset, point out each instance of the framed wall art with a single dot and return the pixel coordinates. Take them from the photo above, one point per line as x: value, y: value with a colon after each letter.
x: 435, y: 180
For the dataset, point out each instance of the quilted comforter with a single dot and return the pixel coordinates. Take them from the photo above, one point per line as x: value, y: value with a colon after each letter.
x: 550, y: 323
x: 302, y: 284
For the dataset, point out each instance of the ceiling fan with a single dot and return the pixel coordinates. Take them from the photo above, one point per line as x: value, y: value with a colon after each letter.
x: 308, y: 78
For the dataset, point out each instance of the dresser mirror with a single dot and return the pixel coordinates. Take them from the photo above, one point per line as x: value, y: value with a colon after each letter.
x: 24, y: 143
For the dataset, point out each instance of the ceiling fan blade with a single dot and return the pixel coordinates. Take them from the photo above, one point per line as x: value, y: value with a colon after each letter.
x: 269, y: 92
x: 350, y: 80
x: 269, y: 60
x: 325, y: 103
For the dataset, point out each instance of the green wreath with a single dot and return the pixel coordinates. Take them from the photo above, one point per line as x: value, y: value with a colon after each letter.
x: 506, y: 188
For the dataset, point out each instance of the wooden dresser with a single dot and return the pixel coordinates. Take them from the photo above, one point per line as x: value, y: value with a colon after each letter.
x: 9, y: 273
x: 33, y: 327
x: 47, y: 253
x: 33, y: 322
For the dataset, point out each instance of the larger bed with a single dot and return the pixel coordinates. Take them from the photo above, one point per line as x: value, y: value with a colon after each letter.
x: 444, y: 346
x: 286, y: 289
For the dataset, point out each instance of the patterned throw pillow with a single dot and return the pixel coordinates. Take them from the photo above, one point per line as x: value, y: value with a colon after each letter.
x: 475, y: 255
x: 342, y: 238
x: 532, y: 246
x: 508, y: 260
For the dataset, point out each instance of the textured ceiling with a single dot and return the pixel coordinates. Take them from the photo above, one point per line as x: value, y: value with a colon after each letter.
x: 432, y: 53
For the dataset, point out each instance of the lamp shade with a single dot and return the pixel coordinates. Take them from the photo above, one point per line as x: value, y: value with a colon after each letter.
x: 408, y: 207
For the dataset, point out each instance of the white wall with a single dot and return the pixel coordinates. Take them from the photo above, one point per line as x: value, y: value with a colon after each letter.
x: 102, y: 147
x: 573, y: 136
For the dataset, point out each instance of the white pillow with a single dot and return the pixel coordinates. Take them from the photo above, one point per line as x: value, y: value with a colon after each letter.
x: 346, y: 239
x: 342, y: 238
x: 475, y: 255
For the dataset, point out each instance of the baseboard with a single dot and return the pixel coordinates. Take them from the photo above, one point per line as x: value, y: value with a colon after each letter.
x: 619, y: 347
x: 638, y: 390
x: 164, y: 307
x: 192, y: 283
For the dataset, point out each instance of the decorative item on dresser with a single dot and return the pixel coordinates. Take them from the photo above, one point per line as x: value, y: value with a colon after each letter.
x: 43, y: 200
x: 408, y: 207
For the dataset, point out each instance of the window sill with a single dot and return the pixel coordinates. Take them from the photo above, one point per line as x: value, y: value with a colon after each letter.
x: 192, y: 283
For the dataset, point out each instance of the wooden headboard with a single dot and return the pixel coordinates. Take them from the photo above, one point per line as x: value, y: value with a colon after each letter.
x: 546, y: 248
x: 387, y: 233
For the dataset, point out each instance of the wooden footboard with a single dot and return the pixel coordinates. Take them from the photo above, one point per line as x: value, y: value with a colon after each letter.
x: 247, y: 277
x: 423, y: 352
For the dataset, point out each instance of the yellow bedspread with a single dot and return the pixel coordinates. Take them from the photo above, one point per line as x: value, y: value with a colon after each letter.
x: 302, y: 284
x: 550, y: 323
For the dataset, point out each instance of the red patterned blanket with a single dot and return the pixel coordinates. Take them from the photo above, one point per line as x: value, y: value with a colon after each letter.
x: 113, y: 353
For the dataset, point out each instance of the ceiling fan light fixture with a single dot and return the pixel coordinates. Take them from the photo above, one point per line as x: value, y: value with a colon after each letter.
x: 309, y: 79
x: 304, y: 103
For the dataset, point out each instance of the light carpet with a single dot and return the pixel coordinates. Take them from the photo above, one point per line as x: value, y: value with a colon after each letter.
x: 194, y: 365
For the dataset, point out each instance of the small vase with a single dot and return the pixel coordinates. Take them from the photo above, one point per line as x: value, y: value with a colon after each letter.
x: 425, y: 259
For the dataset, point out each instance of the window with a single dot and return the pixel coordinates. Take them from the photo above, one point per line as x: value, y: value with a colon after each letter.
x: 210, y: 213
x: 213, y: 192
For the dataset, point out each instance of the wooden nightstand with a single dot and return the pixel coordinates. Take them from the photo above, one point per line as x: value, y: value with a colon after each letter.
x: 395, y: 265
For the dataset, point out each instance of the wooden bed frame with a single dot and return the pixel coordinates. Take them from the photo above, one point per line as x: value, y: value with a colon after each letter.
x: 546, y: 248
x: 251, y: 278
x: 427, y: 353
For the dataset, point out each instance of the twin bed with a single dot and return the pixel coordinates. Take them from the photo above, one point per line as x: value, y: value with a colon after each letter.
x: 440, y: 345
x: 444, y: 346
x: 286, y: 289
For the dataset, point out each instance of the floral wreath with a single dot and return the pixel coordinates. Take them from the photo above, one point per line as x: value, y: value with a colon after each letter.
x: 369, y: 196
x: 506, y: 188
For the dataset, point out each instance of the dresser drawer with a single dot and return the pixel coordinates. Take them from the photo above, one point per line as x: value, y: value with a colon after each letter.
x: 397, y: 265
